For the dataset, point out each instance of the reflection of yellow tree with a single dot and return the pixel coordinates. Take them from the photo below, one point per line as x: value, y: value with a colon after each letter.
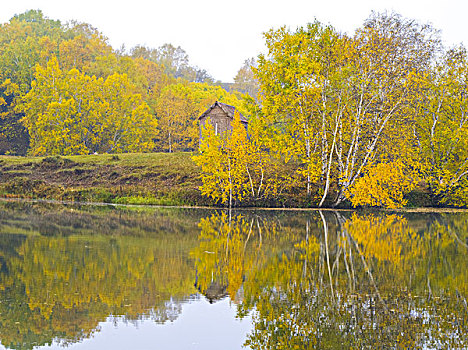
x: 315, y: 280
x: 387, y: 302
x: 392, y: 244
x: 72, y: 271
x: 387, y: 238
x: 221, y: 254
x: 73, y: 283
x: 233, y: 251
x: 445, y: 254
x: 62, y: 287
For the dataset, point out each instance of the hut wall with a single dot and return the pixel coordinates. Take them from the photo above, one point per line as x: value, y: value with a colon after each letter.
x: 218, y: 119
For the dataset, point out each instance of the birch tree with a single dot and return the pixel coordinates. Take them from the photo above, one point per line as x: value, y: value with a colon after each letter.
x: 294, y: 80
x: 235, y: 166
x: 388, y: 52
x: 339, y: 104
x: 442, y: 126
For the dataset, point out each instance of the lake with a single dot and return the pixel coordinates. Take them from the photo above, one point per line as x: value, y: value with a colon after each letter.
x: 105, y: 277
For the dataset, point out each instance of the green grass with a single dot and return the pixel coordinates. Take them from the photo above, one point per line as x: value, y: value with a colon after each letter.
x: 128, y: 178
x: 123, y: 159
x: 137, y: 159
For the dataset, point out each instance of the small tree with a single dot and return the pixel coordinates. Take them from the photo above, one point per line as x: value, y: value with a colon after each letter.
x: 384, y: 185
x: 233, y: 165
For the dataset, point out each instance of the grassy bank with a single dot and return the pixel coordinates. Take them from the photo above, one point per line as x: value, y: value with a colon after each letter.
x: 138, y: 178
x: 132, y: 178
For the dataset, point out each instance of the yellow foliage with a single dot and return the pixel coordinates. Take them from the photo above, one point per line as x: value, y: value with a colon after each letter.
x: 234, y: 167
x: 387, y: 238
x: 383, y: 185
x: 72, y: 113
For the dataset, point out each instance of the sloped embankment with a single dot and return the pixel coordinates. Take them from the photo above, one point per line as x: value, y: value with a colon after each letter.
x: 139, y: 178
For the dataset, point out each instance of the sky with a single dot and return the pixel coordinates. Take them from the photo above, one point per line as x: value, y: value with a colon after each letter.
x: 219, y: 35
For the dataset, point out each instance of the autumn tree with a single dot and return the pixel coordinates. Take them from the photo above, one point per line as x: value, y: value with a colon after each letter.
x: 175, y: 61
x: 14, y: 138
x: 83, y: 48
x: 245, y: 80
x: 222, y: 180
x: 71, y: 113
x: 442, y: 128
x: 236, y: 165
x: 24, y: 42
x: 178, y: 107
x: 391, y: 51
x: 294, y: 79
x: 384, y: 184
x: 177, y: 112
x: 31, y: 39
x: 27, y: 39
x: 338, y: 104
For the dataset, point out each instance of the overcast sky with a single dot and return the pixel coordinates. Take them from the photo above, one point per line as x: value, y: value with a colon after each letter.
x: 219, y: 35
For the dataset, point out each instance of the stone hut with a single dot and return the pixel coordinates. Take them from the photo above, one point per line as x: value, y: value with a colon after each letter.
x: 220, y: 116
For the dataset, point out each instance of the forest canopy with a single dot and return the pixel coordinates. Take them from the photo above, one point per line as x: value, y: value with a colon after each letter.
x: 64, y: 90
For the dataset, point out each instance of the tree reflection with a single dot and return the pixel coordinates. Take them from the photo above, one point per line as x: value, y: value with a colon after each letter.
x: 128, y: 264
x: 311, y: 279
x: 344, y: 281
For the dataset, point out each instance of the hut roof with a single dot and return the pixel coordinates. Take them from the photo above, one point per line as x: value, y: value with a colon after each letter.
x: 229, y: 110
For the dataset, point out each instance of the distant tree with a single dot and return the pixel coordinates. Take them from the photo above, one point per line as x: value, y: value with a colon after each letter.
x: 83, y: 48
x: 26, y: 40
x: 175, y: 61
x: 141, y: 51
x: 29, y: 39
x: 178, y: 107
x: 177, y: 112
x: 245, y: 80
x: 202, y: 76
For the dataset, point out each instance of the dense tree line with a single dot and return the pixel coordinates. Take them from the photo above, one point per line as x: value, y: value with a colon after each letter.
x: 65, y: 90
x: 365, y: 118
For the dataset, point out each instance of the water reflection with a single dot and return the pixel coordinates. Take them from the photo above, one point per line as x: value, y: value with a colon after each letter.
x: 65, y: 270
x: 333, y: 280
x: 312, y: 279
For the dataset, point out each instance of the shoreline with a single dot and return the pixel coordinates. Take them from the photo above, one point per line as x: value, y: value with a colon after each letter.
x: 250, y: 209
x: 156, y: 180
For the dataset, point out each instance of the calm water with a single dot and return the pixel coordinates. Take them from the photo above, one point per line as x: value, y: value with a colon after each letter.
x: 136, y: 278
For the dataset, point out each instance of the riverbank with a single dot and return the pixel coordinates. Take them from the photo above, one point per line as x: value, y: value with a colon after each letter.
x: 138, y: 178
x: 168, y: 179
